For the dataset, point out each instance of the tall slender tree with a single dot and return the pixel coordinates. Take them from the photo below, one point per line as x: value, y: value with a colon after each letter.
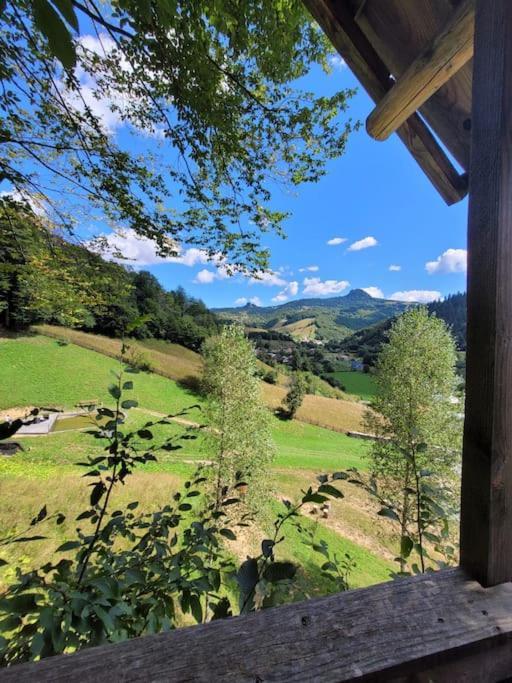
x: 239, y: 423
x: 415, y: 420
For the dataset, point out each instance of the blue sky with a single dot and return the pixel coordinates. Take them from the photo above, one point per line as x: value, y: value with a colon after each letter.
x: 375, y: 190
x: 373, y: 222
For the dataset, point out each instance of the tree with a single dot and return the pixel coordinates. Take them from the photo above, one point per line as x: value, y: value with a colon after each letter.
x: 417, y: 429
x: 295, y: 396
x: 210, y: 89
x: 239, y: 423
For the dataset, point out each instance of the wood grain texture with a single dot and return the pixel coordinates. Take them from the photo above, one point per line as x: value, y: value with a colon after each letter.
x: 336, y: 19
x: 486, y: 516
x: 380, y: 633
x: 432, y: 68
x: 399, y: 30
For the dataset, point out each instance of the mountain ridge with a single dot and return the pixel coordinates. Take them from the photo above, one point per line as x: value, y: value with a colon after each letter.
x: 330, y: 318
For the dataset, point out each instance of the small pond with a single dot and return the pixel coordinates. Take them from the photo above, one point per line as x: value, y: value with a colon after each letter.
x: 79, y: 421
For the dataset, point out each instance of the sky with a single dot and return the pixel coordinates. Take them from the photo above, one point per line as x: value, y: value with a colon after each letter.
x: 373, y: 221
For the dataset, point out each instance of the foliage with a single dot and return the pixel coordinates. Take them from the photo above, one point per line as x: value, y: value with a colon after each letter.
x: 416, y: 424
x: 296, y: 393
x: 135, y: 572
x: 239, y: 423
x: 213, y: 85
x: 428, y: 542
x: 44, y: 278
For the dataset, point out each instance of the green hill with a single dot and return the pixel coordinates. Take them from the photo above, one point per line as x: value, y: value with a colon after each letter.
x: 329, y: 319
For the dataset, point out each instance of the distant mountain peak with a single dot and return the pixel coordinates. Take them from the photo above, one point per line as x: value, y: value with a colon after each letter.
x: 357, y: 295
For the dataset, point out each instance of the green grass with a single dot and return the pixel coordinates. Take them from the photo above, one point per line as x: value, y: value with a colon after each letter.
x: 369, y: 568
x: 358, y: 383
x: 38, y: 371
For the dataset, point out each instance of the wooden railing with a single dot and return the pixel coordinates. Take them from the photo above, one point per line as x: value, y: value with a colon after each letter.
x: 437, y: 627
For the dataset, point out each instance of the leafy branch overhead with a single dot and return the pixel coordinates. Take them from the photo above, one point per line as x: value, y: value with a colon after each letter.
x: 211, y: 91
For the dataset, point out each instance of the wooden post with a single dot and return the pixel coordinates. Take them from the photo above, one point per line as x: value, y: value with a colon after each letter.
x: 486, y: 514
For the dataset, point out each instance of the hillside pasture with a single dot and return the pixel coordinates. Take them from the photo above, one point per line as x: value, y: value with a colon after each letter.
x: 37, y: 370
x: 359, y: 384
x: 173, y: 362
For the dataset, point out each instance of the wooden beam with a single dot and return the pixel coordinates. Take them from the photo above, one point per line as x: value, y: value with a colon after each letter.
x: 486, y: 514
x: 336, y: 20
x: 436, y: 64
x: 437, y: 622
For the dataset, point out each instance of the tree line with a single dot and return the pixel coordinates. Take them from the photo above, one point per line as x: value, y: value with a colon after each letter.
x: 45, y: 278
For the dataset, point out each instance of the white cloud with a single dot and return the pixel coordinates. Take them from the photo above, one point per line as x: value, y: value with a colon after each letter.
x: 205, y: 277
x: 242, y: 300
x: 336, y: 62
x: 268, y: 278
x: 316, y: 287
x: 421, y: 296
x: 375, y: 292
x: 451, y: 261
x: 126, y: 246
x: 394, y: 268
x: 35, y: 204
x: 333, y: 242
x: 311, y: 269
x: 365, y: 243
x: 290, y: 290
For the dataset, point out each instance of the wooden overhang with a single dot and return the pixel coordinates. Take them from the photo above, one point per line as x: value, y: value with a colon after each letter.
x: 453, y: 625
x: 414, y: 58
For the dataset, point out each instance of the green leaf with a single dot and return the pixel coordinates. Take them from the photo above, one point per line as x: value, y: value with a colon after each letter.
x: 3, y: 562
x: 196, y: 608
x: 406, y: 546
x: 97, y: 493
x: 330, y: 491
x: 279, y: 571
x: 129, y: 404
x: 128, y: 385
x: 388, y: 512
x: 65, y: 7
x: 222, y: 609
x: 53, y: 28
x: 267, y: 546
x: 133, y: 505
x: 247, y: 575
x: 68, y: 545
x: 227, y: 533
x: 114, y: 391
x: 145, y: 434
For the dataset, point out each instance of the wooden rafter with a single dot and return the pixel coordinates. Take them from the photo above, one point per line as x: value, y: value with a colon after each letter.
x: 436, y: 64
x: 339, y: 25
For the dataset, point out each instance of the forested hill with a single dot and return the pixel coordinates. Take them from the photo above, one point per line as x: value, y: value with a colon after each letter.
x: 46, y: 279
x: 328, y: 319
x: 366, y: 343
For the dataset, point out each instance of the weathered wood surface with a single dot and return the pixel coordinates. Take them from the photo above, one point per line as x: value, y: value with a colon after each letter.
x: 486, y: 518
x: 432, y: 68
x: 380, y: 633
x: 399, y: 30
x: 336, y: 19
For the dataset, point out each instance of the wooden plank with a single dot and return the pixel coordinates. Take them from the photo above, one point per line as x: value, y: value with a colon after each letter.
x: 433, y: 67
x: 486, y: 515
x: 337, y: 21
x: 399, y: 30
x: 404, y: 626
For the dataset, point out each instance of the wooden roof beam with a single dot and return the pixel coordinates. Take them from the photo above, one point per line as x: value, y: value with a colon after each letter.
x: 337, y: 21
x: 433, y: 67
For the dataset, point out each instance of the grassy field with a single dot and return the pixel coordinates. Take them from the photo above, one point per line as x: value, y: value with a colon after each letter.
x: 38, y: 371
x: 184, y: 366
x: 358, y: 383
